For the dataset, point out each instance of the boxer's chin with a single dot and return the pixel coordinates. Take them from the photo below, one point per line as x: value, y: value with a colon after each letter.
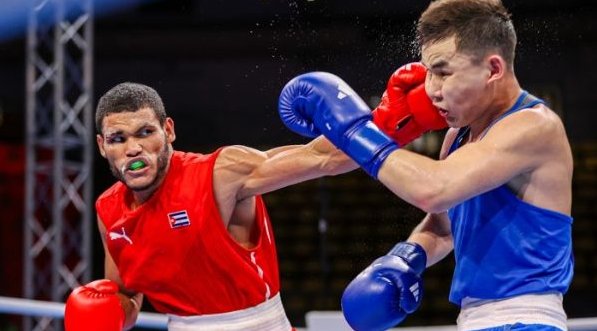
x: 144, y: 179
x: 141, y: 184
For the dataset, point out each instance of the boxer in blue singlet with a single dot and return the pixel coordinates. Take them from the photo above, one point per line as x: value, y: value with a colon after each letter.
x: 499, y: 196
x: 510, y: 265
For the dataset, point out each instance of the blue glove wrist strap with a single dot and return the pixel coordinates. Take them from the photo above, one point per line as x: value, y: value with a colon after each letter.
x: 368, y: 146
x: 412, y: 253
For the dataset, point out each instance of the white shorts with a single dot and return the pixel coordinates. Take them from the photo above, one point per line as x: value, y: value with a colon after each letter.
x: 266, y: 316
x: 545, y: 309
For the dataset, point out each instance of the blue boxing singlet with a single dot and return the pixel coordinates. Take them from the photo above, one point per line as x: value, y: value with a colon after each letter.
x: 506, y: 247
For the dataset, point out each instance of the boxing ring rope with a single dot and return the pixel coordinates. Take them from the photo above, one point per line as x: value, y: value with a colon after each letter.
x: 19, y: 306
x: 55, y: 309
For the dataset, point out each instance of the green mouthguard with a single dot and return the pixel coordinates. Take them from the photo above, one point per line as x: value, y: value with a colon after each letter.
x: 137, y: 165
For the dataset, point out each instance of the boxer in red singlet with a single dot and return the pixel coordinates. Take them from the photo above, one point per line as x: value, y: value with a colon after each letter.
x: 188, y: 231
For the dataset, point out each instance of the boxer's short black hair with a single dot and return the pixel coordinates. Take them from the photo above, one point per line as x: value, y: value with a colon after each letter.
x: 129, y: 97
x: 479, y: 27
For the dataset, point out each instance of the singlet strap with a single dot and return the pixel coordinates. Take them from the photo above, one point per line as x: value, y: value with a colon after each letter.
x: 462, y: 133
x: 525, y: 100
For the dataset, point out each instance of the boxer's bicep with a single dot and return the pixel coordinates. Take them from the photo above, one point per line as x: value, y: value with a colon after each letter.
x: 233, y: 167
x: 281, y: 167
x: 110, y: 268
x: 239, y: 174
x: 243, y: 172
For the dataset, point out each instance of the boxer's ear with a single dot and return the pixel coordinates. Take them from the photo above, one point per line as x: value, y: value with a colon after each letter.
x: 99, y: 138
x: 497, y: 67
x: 169, y: 129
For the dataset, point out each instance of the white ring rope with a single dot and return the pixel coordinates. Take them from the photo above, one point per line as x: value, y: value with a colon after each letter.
x: 55, y: 309
x: 29, y: 307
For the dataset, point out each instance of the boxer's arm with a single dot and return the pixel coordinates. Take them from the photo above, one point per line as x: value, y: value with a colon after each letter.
x: 320, y: 152
x: 131, y: 302
x: 434, y: 232
x: 435, y: 236
x: 517, y: 144
x: 242, y: 172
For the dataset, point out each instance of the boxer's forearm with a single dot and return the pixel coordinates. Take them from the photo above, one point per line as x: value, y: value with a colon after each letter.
x: 277, y: 150
x: 336, y: 162
x: 434, y: 235
x: 242, y: 172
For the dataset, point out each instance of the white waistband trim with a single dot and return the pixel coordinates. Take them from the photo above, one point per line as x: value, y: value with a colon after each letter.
x: 546, y: 309
x: 266, y: 316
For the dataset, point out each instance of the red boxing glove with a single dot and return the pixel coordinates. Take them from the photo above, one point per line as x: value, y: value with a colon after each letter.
x: 405, y: 111
x: 94, y: 307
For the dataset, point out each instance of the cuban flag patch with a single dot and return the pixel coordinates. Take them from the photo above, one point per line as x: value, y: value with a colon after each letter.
x: 179, y: 219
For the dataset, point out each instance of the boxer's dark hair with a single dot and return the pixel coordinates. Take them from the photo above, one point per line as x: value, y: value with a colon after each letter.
x: 479, y: 27
x: 129, y: 97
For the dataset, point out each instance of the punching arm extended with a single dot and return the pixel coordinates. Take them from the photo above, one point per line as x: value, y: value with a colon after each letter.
x: 242, y: 172
x: 322, y: 103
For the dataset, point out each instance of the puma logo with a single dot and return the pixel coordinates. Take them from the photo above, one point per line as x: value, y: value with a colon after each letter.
x: 117, y: 235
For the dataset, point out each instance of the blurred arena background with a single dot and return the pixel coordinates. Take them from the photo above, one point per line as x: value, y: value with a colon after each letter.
x: 220, y: 65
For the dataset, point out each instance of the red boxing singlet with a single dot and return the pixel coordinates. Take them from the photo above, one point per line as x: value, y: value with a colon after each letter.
x: 175, y: 249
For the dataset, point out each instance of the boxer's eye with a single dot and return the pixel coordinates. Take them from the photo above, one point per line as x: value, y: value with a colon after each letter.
x: 441, y: 73
x: 115, y: 139
x: 145, y: 132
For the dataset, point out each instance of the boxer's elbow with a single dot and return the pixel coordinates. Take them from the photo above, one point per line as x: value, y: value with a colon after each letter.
x: 433, y: 206
x: 432, y: 197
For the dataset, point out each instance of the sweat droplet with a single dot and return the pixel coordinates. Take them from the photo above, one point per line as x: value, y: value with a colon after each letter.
x: 137, y: 165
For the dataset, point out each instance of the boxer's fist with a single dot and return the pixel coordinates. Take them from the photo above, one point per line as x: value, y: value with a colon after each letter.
x: 310, y: 100
x: 390, y: 288
x: 322, y: 103
x: 405, y: 111
x: 94, y: 307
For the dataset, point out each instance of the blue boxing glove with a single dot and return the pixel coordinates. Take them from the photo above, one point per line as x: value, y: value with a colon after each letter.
x: 390, y: 288
x: 321, y: 103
